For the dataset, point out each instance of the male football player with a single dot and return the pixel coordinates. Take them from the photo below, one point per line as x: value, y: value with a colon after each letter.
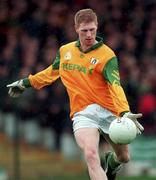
x: 89, y: 70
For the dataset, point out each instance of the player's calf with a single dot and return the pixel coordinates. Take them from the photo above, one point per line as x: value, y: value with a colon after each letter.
x: 110, y: 165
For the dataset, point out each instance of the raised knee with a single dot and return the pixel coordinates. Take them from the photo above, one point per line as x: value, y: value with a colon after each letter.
x: 124, y: 158
x: 91, y: 155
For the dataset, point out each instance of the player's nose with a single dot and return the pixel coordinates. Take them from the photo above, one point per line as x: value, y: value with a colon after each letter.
x: 88, y: 34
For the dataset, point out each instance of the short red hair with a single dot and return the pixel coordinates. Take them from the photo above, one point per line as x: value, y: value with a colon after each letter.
x: 85, y: 16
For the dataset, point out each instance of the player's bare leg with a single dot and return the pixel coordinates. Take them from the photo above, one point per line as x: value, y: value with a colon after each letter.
x: 121, y: 151
x: 113, y: 161
x: 88, y: 141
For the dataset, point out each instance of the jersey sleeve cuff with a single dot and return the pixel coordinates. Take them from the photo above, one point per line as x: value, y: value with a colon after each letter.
x: 122, y: 113
x: 26, y: 83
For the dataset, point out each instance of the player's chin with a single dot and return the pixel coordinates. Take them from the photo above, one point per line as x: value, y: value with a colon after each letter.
x: 89, y: 42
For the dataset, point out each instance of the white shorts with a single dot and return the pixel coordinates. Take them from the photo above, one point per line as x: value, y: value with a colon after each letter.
x: 93, y: 116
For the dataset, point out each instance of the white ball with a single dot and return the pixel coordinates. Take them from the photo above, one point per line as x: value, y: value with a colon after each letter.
x: 122, y: 131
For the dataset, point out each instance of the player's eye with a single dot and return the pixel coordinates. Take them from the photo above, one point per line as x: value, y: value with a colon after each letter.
x: 84, y: 30
x: 92, y: 29
x: 88, y: 30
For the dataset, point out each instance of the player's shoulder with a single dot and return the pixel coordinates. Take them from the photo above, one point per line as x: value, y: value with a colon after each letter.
x: 68, y: 45
x: 106, y: 52
x: 107, y: 49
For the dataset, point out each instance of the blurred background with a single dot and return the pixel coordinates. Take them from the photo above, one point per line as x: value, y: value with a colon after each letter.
x: 36, y: 140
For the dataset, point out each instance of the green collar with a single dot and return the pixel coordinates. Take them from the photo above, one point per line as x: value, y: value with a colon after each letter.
x: 95, y: 46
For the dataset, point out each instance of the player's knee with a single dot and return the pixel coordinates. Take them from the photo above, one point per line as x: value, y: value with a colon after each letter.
x: 91, y: 155
x: 124, y: 158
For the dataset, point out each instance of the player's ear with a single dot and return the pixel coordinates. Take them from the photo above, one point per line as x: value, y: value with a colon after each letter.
x: 76, y: 27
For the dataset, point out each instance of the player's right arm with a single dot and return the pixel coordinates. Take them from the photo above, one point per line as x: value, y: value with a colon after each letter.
x: 36, y: 81
x: 111, y: 74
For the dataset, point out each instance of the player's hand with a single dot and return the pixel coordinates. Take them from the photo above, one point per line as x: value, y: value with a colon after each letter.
x: 134, y: 118
x: 16, y: 88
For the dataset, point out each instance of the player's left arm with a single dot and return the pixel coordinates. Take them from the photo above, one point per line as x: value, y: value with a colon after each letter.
x: 112, y: 76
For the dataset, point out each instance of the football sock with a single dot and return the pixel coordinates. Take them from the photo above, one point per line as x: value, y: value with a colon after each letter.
x: 112, y: 161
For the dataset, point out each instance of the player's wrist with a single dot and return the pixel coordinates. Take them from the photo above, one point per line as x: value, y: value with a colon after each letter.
x: 26, y: 83
x: 123, y: 113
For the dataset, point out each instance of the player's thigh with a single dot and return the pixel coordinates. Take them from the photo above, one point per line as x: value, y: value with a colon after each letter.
x: 87, y: 137
x: 120, y: 150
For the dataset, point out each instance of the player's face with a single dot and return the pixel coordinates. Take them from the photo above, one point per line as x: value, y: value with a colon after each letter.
x: 87, y: 34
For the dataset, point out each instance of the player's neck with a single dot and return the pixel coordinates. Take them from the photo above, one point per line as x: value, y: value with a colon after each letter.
x: 85, y: 48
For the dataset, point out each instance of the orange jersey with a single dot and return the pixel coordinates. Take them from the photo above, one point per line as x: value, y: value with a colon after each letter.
x: 89, y: 77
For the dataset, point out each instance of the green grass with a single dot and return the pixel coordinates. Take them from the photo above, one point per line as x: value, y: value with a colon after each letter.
x: 85, y: 177
x: 136, y: 178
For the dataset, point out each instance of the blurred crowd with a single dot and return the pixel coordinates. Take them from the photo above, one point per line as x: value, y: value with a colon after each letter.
x: 31, y: 31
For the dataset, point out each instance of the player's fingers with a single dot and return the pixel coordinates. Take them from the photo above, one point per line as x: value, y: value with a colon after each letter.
x: 11, y: 94
x: 139, y: 126
x: 14, y: 84
x: 138, y: 131
x: 139, y: 115
x: 9, y: 85
x: 134, y: 116
x: 14, y: 95
x: 10, y: 91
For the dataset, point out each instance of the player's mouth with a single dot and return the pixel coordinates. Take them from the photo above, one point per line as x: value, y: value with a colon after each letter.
x: 89, y: 41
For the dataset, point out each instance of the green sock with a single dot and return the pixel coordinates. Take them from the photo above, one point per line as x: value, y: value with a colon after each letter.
x: 112, y: 161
